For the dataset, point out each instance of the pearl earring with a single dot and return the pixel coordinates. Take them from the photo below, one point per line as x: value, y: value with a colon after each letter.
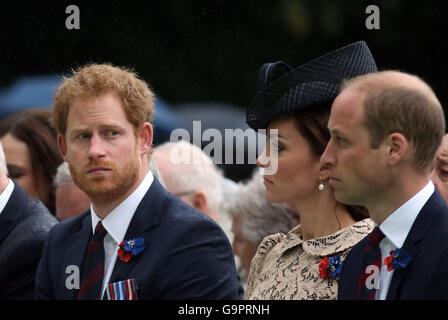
x: 321, y: 184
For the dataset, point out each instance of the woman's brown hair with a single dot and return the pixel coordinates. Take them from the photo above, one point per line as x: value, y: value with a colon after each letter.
x: 34, y: 128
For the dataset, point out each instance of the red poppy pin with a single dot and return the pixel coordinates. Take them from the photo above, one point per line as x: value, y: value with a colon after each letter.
x: 397, y: 260
x: 130, y: 248
x: 330, y: 267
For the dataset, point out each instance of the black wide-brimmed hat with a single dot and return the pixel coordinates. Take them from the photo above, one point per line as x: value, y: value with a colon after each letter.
x: 281, y: 90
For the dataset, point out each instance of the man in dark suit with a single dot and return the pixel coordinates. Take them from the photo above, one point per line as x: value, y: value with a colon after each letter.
x: 385, y: 130
x: 24, y: 223
x: 136, y: 240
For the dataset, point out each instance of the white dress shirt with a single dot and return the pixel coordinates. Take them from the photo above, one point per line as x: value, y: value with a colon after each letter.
x: 396, y: 228
x: 6, y: 194
x: 116, y: 223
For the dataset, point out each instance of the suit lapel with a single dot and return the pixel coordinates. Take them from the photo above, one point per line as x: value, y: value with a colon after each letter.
x: 399, y: 275
x: 146, y: 217
x: 76, y: 247
x: 13, y: 210
x: 421, y: 226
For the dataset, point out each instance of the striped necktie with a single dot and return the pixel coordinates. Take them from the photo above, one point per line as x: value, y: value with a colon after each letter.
x: 371, y: 263
x: 93, y: 270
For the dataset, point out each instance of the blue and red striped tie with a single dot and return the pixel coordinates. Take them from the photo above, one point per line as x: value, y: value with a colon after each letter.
x: 93, y: 270
x: 371, y: 257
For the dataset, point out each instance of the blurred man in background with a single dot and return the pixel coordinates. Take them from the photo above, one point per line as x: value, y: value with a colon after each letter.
x: 70, y: 200
x: 196, y: 183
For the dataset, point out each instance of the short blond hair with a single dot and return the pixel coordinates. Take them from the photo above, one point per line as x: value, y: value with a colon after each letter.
x: 400, y: 102
x: 94, y: 80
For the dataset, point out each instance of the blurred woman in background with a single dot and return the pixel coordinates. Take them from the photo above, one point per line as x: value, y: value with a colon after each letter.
x: 32, y: 154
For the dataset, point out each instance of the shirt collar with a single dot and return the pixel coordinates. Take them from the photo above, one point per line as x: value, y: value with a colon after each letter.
x: 117, y: 221
x: 397, y: 226
x: 330, y: 244
x: 6, y: 194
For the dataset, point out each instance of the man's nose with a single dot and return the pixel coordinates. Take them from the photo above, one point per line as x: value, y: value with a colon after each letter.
x: 96, y: 149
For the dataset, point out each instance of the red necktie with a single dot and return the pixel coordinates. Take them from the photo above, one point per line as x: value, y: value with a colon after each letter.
x: 371, y: 257
x: 93, y: 270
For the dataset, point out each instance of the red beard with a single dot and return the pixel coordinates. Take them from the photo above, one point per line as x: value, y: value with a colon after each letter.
x: 108, y: 185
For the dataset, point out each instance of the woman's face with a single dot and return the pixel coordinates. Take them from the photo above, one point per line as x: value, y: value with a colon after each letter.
x: 18, y: 161
x: 297, y: 173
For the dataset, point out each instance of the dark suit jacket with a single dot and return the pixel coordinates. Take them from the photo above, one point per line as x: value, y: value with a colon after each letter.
x: 24, y: 224
x: 425, y: 277
x: 186, y: 255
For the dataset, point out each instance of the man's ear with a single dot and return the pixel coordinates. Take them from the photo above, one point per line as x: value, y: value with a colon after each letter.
x: 200, y: 201
x: 62, y: 146
x: 397, y: 146
x: 146, y: 136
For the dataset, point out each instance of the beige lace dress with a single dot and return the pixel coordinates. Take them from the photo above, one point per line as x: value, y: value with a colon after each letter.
x: 285, y: 267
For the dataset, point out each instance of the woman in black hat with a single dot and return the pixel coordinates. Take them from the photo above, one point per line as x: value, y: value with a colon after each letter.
x: 294, y: 107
